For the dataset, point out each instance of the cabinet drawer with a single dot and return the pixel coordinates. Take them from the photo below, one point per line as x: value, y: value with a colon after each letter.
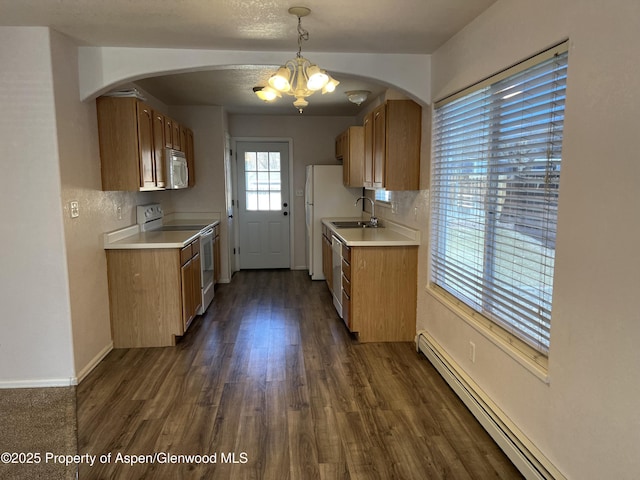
x: 346, y: 269
x: 346, y: 253
x: 185, y: 254
x: 195, y: 246
x: 346, y: 310
x: 346, y: 285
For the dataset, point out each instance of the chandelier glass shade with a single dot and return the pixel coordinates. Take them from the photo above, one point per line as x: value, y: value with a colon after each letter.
x: 298, y: 77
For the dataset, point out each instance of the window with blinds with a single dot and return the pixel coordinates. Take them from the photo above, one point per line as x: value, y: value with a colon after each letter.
x: 383, y: 195
x: 495, y: 177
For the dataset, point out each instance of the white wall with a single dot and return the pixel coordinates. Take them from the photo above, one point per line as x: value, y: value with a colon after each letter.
x: 79, y: 158
x: 313, y: 144
x: 586, y: 420
x: 35, y: 317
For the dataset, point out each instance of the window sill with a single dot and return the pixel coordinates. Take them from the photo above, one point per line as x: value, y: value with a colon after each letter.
x: 531, y: 360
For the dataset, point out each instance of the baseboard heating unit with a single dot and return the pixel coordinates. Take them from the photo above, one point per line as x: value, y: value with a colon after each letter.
x: 521, y: 451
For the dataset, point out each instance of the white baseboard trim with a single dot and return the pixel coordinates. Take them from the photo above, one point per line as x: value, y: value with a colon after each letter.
x: 39, y: 383
x: 59, y: 382
x: 94, y: 362
x: 527, y: 458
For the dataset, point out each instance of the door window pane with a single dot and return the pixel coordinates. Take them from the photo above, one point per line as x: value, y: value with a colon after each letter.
x: 263, y: 183
x: 250, y: 162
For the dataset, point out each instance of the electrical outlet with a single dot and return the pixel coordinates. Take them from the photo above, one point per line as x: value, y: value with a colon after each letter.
x: 74, y: 209
x: 472, y: 352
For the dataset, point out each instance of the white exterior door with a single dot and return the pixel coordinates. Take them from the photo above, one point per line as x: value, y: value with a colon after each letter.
x: 263, y: 198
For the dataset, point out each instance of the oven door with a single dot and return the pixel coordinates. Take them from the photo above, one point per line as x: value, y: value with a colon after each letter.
x: 206, y: 262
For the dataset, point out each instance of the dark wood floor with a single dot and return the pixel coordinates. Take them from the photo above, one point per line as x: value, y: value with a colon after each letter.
x: 271, y: 375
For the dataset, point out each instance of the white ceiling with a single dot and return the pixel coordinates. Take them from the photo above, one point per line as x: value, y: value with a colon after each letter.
x: 372, y: 26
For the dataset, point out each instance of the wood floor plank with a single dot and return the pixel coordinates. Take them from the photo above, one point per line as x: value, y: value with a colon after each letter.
x: 270, y: 383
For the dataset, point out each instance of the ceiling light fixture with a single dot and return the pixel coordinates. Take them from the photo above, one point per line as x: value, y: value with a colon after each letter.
x: 357, y: 96
x: 298, y: 77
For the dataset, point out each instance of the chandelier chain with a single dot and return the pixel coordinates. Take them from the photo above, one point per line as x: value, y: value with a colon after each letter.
x: 302, y: 35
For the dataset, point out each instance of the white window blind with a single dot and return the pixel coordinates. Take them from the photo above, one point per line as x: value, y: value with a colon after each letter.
x: 495, y: 177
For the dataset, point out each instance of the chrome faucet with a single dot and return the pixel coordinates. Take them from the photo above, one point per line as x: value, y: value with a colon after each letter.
x: 373, y: 221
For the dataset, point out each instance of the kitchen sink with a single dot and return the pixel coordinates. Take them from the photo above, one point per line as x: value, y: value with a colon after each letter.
x: 353, y: 224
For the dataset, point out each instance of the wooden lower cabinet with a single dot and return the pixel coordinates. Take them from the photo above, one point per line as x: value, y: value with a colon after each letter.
x: 191, y: 282
x: 379, y: 292
x: 154, y: 294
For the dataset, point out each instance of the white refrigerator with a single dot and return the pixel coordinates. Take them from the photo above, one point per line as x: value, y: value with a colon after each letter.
x: 325, y: 196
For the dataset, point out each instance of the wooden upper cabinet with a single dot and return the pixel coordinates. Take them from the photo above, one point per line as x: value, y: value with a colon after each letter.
x: 175, y: 136
x: 168, y: 132
x: 172, y: 134
x: 145, y: 146
x: 133, y: 138
x: 392, y: 146
x: 350, y: 147
x: 367, y: 177
x: 158, y: 147
x: 379, y: 144
x: 127, y: 155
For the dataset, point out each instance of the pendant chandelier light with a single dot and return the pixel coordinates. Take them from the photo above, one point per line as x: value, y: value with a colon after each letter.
x: 298, y: 77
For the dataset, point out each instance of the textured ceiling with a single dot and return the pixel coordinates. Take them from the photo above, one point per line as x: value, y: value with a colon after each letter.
x: 373, y: 26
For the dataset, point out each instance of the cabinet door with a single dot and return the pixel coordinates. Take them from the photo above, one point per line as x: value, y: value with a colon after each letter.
x: 379, y: 145
x: 158, y: 149
x: 403, y: 143
x: 186, y: 275
x: 368, y: 150
x: 353, y: 159
x: 175, y: 136
x: 383, y: 293
x: 145, y: 146
x: 168, y: 132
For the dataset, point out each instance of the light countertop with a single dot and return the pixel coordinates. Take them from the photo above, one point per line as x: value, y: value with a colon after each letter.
x: 132, y: 238
x: 152, y: 239
x: 389, y: 235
